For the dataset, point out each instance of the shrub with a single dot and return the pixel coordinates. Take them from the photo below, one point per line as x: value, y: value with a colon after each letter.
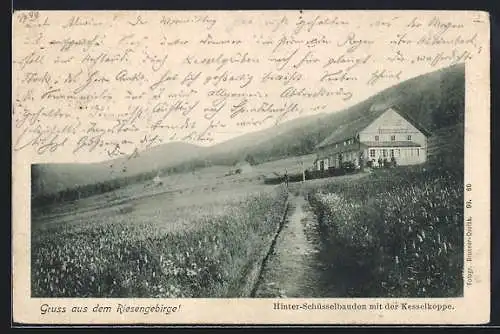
x: 404, y: 231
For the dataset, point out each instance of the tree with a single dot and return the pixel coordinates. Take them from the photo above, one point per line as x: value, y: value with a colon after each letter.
x: 250, y: 159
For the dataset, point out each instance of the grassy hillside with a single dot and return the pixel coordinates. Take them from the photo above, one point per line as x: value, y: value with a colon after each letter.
x: 434, y: 100
x: 51, y: 178
x: 258, y: 143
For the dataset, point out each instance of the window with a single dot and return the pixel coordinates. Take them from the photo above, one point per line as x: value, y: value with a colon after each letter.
x: 376, y: 138
x: 398, y: 152
x: 418, y: 152
x: 393, y: 138
x: 384, y: 153
x: 372, y: 153
x: 392, y: 153
x: 409, y: 137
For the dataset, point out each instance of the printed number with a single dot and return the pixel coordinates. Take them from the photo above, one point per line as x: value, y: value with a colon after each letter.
x: 468, y: 204
x: 468, y: 187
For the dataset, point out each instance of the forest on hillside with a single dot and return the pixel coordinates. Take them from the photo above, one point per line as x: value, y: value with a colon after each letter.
x: 434, y: 100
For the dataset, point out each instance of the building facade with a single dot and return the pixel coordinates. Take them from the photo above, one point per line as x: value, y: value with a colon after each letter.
x: 381, y: 136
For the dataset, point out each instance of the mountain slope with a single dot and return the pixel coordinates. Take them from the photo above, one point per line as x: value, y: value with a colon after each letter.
x: 434, y: 100
x: 238, y: 148
x: 52, y: 178
x: 159, y: 156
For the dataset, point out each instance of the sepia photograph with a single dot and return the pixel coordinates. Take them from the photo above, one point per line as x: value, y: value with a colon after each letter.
x: 363, y: 202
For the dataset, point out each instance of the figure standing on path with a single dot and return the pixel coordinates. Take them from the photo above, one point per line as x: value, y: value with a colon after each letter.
x: 286, y: 178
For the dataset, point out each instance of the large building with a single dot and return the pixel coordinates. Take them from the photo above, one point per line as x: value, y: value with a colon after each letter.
x: 375, y: 136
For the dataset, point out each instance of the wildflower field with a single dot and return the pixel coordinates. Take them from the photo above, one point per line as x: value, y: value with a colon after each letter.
x: 190, y: 245
x: 395, y: 233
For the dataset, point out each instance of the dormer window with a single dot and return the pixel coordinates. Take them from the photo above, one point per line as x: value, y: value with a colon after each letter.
x: 409, y: 137
x: 376, y: 138
x: 393, y: 138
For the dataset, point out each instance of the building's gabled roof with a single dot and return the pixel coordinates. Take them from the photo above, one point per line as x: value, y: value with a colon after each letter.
x: 360, y: 122
x: 352, y: 128
x: 416, y: 124
x: 344, y: 148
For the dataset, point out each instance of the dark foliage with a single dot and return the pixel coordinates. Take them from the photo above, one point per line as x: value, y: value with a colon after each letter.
x: 398, y: 232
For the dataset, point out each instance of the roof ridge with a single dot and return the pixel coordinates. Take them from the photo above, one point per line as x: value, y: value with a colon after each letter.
x: 362, y: 120
x: 412, y: 120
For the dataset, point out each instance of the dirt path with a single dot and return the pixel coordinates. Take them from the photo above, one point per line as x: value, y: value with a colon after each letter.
x: 295, y: 268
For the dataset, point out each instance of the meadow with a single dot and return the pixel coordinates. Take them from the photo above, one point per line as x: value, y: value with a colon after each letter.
x: 182, y: 239
x: 395, y: 233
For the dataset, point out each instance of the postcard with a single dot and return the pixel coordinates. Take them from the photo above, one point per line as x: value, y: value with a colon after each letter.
x: 251, y: 167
